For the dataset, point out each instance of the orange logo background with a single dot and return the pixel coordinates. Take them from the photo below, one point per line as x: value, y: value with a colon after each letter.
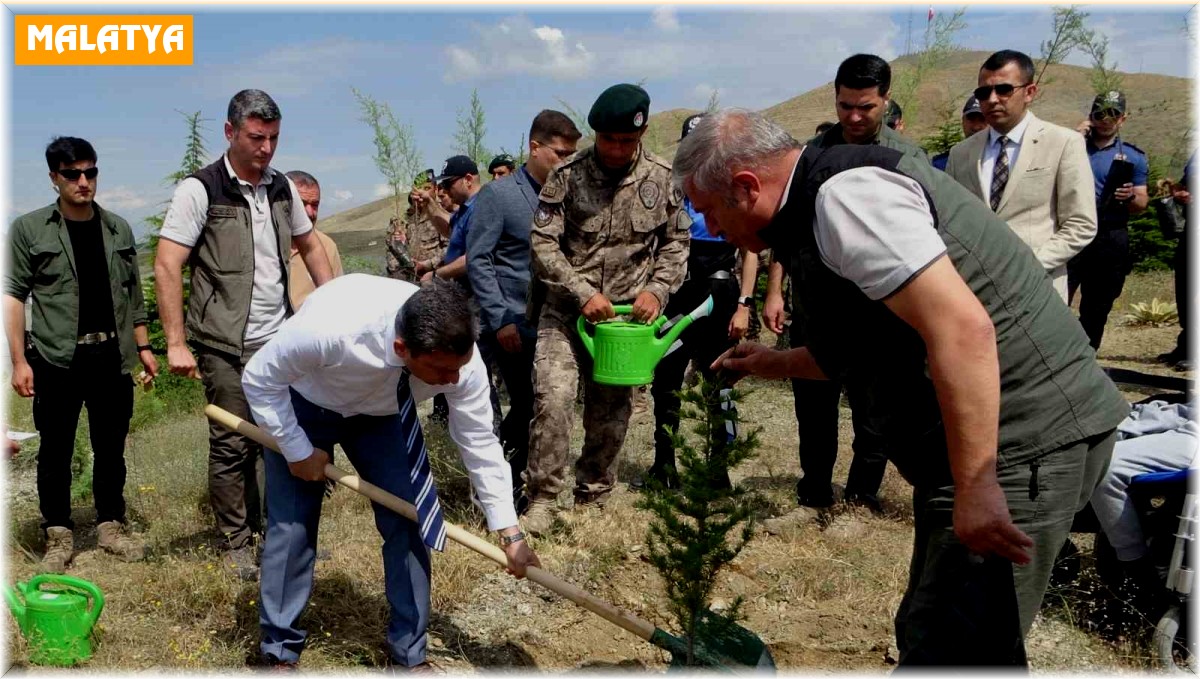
x: 102, y: 39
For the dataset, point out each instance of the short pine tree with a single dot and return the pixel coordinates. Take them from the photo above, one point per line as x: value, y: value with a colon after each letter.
x: 702, y: 527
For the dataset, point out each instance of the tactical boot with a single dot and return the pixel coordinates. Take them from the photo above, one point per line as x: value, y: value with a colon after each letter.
x: 60, y: 547
x: 115, y: 540
x: 539, y: 517
x: 241, y: 562
x: 597, y: 499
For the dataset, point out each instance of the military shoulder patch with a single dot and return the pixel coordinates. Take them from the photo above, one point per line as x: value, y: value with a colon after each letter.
x: 543, y: 214
x: 649, y: 192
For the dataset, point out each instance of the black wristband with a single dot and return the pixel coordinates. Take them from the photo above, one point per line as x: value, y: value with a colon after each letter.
x: 145, y: 347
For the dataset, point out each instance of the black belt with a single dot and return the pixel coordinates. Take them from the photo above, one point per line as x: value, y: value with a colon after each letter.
x: 96, y: 338
x: 719, y: 275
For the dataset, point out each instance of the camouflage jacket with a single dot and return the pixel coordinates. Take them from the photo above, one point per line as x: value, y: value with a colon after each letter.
x: 424, y: 242
x: 592, y: 233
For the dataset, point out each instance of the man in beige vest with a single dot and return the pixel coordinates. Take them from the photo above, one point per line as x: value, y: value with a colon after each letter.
x: 1035, y: 175
x: 300, y: 282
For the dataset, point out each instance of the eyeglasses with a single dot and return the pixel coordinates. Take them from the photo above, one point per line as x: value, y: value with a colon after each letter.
x: 1107, y: 114
x: 562, y: 154
x: 447, y: 182
x: 1002, y: 90
x: 72, y: 175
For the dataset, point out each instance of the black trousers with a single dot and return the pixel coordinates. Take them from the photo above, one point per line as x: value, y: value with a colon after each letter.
x: 1098, y: 272
x: 95, y: 379
x: 517, y: 372
x: 703, y: 342
x: 816, y: 405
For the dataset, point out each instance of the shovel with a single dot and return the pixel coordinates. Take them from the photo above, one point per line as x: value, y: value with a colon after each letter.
x: 718, y: 644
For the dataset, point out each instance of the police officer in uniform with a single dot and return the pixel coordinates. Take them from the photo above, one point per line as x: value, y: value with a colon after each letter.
x: 1099, y: 270
x: 608, y: 230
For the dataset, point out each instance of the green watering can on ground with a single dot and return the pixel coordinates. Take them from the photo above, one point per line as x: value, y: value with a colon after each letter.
x: 624, y: 354
x: 56, y: 621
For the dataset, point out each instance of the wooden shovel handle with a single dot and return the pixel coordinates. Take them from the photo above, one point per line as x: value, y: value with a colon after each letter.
x: 581, y: 597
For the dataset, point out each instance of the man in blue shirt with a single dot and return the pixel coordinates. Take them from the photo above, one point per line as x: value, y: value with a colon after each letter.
x: 460, y: 180
x: 972, y: 122
x: 1100, y: 269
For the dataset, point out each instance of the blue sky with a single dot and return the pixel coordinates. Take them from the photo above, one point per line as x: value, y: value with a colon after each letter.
x: 425, y: 64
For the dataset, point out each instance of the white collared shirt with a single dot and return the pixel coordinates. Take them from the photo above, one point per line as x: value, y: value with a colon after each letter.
x: 337, y: 352
x: 184, y: 223
x: 991, y: 152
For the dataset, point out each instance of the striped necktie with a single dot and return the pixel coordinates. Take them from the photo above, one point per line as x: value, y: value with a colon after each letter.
x: 429, y: 510
x: 999, y: 174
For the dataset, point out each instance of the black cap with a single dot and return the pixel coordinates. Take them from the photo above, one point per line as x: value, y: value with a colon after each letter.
x: 456, y: 166
x: 620, y: 108
x: 1109, y: 101
x: 502, y: 160
x: 690, y: 124
x: 972, y: 106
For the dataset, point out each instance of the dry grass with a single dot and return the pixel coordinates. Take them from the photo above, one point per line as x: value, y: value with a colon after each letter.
x: 821, y: 597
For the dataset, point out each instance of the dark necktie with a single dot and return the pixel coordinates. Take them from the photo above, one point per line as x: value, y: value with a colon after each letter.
x: 429, y: 510
x: 999, y: 174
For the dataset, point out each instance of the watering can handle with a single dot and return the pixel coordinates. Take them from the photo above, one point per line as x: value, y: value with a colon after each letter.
x: 16, y: 604
x: 96, y: 595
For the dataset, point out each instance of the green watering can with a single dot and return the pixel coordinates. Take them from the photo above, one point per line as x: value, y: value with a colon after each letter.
x: 56, y: 620
x: 624, y: 354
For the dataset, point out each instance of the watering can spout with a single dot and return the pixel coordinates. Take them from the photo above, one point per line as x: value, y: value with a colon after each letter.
x: 665, y: 342
x: 18, y: 610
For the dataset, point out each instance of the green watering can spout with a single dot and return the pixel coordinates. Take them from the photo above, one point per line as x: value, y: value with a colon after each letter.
x: 625, y: 353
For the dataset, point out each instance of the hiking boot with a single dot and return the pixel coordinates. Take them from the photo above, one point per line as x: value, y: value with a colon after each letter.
x: 539, y: 517
x: 114, y: 539
x: 60, y: 547
x: 241, y: 562
x: 597, y: 499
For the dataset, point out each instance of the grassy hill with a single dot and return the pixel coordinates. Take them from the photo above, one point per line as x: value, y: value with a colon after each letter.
x: 1159, y: 121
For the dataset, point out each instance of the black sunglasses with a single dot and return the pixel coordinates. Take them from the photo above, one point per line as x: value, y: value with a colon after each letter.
x: 72, y: 175
x: 1002, y: 90
x: 1107, y: 114
x: 445, y: 183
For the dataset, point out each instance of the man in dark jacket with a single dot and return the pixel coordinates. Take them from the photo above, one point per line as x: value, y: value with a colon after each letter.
x: 498, y: 269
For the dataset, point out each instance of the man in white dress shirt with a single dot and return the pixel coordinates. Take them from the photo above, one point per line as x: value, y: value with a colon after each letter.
x: 348, y: 369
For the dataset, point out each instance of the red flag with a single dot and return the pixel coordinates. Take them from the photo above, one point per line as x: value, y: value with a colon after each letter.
x: 930, y: 13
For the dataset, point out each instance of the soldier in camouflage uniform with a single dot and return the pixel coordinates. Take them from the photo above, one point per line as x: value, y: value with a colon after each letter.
x: 608, y: 230
x: 399, y: 263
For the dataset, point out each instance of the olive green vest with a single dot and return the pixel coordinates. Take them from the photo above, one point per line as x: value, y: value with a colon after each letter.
x: 1052, y: 392
x: 222, y: 260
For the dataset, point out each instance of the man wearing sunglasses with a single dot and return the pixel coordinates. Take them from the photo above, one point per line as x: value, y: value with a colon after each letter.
x: 1120, y: 170
x: 79, y: 263
x: 459, y: 181
x: 1033, y: 174
x: 498, y: 267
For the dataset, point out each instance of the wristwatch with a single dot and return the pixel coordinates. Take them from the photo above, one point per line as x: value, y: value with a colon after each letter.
x: 746, y: 301
x: 506, y: 540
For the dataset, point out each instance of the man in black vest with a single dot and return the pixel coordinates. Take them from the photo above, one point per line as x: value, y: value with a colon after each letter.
x: 234, y: 222
x: 971, y: 367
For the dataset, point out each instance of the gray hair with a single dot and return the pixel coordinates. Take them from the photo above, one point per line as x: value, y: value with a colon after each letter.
x: 252, y: 104
x: 302, y: 178
x: 438, y: 317
x: 726, y: 141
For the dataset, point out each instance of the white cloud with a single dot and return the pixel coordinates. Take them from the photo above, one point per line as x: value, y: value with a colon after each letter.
x: 298, y: 69
x: 514, y: 46
x: 121, y: 198
x: 665, y: 19
x: 703, y: 92
x: 342, y: 195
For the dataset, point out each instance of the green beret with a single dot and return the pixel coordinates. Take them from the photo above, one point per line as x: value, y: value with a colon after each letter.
x: 620, y: 108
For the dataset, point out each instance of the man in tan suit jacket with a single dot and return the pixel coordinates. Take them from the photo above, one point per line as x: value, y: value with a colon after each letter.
x: 300, y: 283
x: 1043, y: 183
